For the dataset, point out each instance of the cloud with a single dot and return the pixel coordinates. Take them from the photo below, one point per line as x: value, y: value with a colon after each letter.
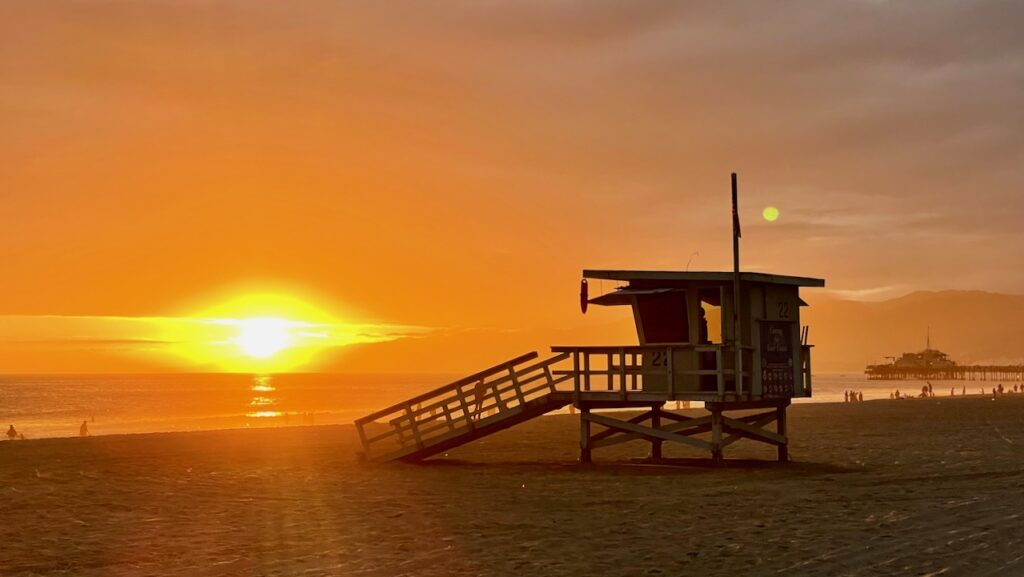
x: 150, y: 333
x: 872, y: 293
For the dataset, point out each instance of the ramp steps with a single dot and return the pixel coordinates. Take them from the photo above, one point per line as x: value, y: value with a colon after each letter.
x: 472, y: 407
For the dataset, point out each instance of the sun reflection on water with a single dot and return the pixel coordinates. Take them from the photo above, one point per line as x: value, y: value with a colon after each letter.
x: 263, y: 414
x: 262, y: 384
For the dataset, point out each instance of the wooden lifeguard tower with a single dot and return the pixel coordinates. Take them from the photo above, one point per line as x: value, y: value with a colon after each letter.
x: 732, y: 340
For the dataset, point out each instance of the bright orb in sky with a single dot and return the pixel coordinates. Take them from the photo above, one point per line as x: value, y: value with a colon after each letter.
x: 262, y: 338
x: 770, y: 213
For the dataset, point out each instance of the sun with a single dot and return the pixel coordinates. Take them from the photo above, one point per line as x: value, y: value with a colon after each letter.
x: 770, y: 213
x: 267, y: 333
x: 263, y: 337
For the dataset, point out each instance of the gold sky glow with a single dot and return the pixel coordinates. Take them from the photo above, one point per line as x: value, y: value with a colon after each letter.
x: 262, y: 333
x: 456, y: 165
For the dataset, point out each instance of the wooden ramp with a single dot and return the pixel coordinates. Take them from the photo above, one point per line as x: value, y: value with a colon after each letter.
x: 472, y: 407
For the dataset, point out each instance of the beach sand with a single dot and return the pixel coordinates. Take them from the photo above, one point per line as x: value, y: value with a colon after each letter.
x: 918, y: 487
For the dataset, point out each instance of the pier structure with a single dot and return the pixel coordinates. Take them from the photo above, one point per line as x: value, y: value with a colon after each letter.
x: 892, y: 372
x: 731, y: 340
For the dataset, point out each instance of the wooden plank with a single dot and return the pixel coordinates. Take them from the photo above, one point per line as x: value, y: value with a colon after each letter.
x: 575, y: 378
x: 415, y: 428
x: 671, y: 372
x: 586, y: 372
x: 750, y: 431
x: 720, y: 372
x: 637, y: 419
x: 715, y: 277
x: 716, y: 435
x: 643, y: 431
x: 362, y: 437
x: 783, y: 448
x: 759, y: 420
x: 678, y: 428
x: 691, y: 421
x: 585, y: 456
x: 743, y: 405
x: 656, y: 443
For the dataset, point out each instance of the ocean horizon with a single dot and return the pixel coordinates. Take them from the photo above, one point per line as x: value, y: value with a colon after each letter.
x: 55, y: 405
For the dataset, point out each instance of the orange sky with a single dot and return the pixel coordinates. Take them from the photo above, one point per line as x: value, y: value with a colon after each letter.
x: 453, y: 167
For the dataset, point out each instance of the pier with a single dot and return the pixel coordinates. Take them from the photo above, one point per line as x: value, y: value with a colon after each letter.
x: 953, y: 373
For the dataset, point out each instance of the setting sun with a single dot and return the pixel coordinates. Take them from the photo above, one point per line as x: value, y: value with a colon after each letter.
x: 262, y: 338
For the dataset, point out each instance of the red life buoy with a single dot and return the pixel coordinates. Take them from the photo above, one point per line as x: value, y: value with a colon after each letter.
x: 583, y: 296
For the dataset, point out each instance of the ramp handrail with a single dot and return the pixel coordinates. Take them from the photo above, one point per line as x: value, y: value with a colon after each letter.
x: 450, y: 386
x: 461, y: 406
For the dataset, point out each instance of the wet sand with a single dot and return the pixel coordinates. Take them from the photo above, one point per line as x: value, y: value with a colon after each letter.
x: 920, y: 487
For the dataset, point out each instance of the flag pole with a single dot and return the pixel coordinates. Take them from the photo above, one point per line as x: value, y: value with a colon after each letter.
x: 736, y: 233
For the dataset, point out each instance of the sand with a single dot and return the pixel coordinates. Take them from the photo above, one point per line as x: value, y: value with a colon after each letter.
x: 919, y: 487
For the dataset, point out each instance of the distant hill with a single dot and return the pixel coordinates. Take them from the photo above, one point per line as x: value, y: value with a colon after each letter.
x: 971, y: 326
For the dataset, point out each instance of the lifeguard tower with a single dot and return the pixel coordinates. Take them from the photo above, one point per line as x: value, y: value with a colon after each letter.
x: 732, y: 340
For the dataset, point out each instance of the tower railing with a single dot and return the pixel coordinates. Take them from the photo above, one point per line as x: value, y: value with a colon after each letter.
x: 622, y: 369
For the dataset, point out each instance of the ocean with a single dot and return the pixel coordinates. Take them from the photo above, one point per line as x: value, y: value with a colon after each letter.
x: 56, y: 405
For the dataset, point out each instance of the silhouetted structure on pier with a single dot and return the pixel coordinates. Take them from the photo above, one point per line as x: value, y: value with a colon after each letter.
x: 934, y: 364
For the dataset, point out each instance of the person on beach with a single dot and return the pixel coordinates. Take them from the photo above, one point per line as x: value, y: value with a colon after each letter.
x: 860, y: 397
x: 964, y: 391
x: 898, y: 394
x: 83, y: 431
x: 1000, y: 388
x: 702, y: 325
x: 846, y: 396
x: 931, y: 393
x: 952, y: 391
x: 11, y: 433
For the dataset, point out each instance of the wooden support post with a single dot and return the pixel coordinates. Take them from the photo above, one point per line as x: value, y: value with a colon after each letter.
x: 365, y: 453
x: 780, y: 424
x: 671, y: 372
x: 414, y: 425
x: 656, y: 424
x: 585, y: 435
x: 721, y: 372
x: 576, y: 378
x: 633, y: 365
x: 608, y: 366
x: 466, y: 414
x: 515, y: 384
x: 716, y: 435
x: 622, y: 371
x: 586, y: 372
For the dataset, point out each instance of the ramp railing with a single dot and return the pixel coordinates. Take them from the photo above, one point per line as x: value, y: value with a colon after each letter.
x: 460, y: 407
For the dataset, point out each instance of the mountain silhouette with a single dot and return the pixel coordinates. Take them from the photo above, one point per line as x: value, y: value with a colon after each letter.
x: 970, y: 326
